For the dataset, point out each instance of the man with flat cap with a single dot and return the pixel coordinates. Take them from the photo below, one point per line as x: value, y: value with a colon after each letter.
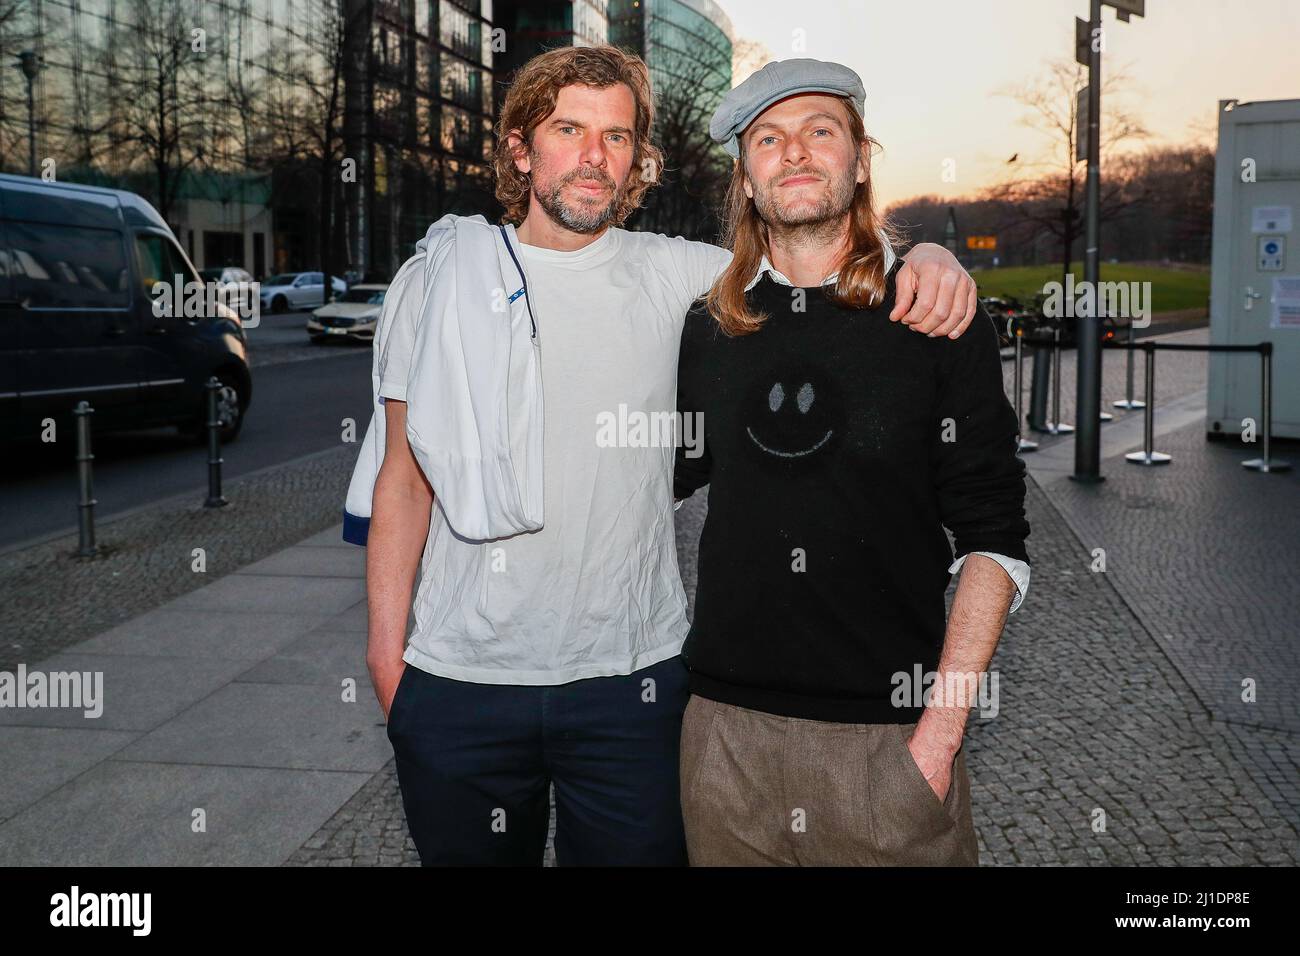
x: 551, y: 658
x: 830, y: 690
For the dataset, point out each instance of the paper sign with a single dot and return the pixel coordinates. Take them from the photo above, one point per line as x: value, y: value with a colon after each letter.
x: 1286, y: 303
x: 1271, y: 219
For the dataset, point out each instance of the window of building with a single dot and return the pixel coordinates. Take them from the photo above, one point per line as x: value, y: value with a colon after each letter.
x: 459, y: 31
x: 462, y: 133
x: 259, y: 253
x: 223, y: 248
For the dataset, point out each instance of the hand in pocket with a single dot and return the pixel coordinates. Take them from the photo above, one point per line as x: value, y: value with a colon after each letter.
x: 935, y: 765
x: 386, y: 681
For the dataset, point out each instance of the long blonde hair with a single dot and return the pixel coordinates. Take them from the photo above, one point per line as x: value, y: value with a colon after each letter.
x: 861, y: 282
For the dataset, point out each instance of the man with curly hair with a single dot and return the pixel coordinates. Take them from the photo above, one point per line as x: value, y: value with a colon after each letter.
x: 554, y: 656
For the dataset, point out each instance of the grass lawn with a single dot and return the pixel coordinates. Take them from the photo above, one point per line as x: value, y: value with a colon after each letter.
x: 1171, y: 289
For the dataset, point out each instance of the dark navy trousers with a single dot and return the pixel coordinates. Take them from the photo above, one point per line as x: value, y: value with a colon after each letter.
x: 475, y: 763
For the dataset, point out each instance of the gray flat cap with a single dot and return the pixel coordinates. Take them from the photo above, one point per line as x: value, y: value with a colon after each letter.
x: 776, y: 81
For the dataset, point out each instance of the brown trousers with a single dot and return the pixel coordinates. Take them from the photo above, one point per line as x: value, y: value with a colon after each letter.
x: 759, y: 789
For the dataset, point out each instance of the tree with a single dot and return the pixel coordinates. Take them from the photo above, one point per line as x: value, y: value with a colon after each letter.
x: 1048, y: 191
x: 696, y: 173
x: 1171, y: 194
x: 319, y: 80
x: 159, y: 90
x: 748, y: 57
x: 14, y: 38
x: 1167, y: 193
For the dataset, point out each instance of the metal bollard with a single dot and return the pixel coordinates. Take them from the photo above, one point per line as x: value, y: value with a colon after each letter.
x: 1102, y: 415
x: 86, y: 547
x: 1022, y: 443
x: 1038, y: 386
x: 1267, y: 464
x: 1056, y: 426
x: 1127, y: 402
x: 215, y: 499
x: 1147, y: 456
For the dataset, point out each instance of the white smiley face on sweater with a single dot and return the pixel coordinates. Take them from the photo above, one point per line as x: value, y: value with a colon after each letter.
x: 794, y: 420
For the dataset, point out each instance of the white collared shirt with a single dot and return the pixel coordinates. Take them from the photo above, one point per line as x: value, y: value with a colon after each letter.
x: 777, y: 276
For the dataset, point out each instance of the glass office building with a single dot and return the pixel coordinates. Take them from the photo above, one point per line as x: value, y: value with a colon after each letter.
x: 259, y: 126
x: 428, y: 137
x: 534, y: 26
x: 686, y: 43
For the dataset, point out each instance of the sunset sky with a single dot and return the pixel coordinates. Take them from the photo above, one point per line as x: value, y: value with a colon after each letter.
x: 933, y: 68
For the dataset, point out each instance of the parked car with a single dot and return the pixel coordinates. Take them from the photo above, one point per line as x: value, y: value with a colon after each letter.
x: 226, y: 276
x: 1040, y: 326
x: 78, y: 265
x: 297, y: 290
x: 352, y: 317
x: 1005, y: 311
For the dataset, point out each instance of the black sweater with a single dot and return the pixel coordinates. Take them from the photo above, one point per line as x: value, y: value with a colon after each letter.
x: 837, y: 447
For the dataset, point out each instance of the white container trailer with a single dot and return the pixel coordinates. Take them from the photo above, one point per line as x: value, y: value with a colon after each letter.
x: 1255, y: 265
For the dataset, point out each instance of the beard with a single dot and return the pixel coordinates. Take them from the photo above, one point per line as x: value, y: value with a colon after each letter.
x: 802, y: 215
x: 585, y: 215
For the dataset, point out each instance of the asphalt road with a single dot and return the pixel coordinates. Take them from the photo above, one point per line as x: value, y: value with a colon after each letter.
x: 298, y: 408
x: 301, y: 394
x: 273, y: 331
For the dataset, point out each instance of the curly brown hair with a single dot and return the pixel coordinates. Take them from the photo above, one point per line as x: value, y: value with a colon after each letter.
x: 531, y: 98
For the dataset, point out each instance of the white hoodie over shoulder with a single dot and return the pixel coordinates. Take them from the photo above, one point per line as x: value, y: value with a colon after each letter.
x: 473, y: 391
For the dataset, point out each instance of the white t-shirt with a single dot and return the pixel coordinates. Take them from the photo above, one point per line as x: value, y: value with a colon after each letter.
x: 596, y: 591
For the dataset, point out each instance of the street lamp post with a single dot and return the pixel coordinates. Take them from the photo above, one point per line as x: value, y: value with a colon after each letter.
x: 1087, y: 443
x: 1087, y: 440
x: 29, y: 61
